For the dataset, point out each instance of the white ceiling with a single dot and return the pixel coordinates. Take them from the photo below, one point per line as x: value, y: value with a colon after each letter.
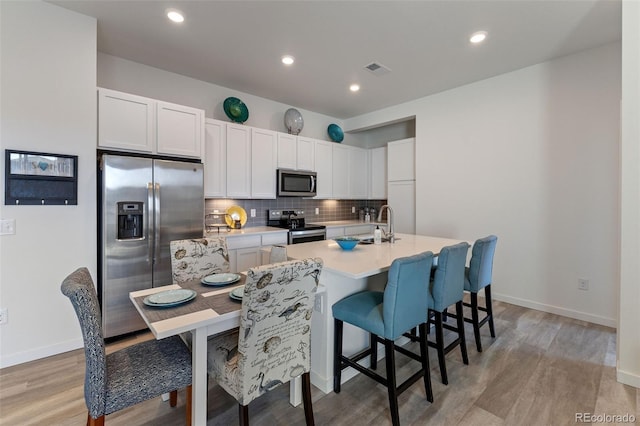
x: 238, y: 44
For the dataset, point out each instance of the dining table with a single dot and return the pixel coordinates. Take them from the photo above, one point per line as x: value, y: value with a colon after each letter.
x: 211, y: 311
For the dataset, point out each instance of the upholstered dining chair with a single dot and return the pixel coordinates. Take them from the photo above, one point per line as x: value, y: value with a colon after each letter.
x: 478, y: 276
x: 131, y: 375
x: 447, y: 288
x: 386, y: 316
x: 273, y: 343
x: 196, y: 258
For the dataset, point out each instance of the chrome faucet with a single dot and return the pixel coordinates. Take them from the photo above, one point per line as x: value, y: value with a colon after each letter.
x: 389, y: 234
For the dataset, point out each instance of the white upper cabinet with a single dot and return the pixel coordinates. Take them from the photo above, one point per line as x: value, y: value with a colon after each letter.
x: 287, y: 151
x: 135, y: 123
x: 378, y: 173
x: 324, y: 168
x: 295, y: 153
x: 180, y: 130
x: 358, y: 173
x: 401, y: 160
x: 238, y: 161
x: 215, y: 158
x: 305, y: 154
x: 264, y: 161
x: 340, y: 171
x: 125, y: 121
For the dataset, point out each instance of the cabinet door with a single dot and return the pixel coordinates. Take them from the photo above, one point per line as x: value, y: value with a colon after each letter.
x: 287, y: 151
x: 264, y: 161
x: 340, y: 171
x: 215, y: 158
x: 247, y: 258
x: 305, y: 156
x: 335, y: 232
x: 179, y: 130
x: 125, y: 121
x: 358, y: 173
x: 378, y: 173
x: 401, y: 160
x: 324, y: 168
x: 238, y: 161
x: 402, y: 198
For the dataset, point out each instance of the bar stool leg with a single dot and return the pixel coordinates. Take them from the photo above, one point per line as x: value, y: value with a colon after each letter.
x: 337, y: 354
x: 391, y: 381
x: 424, y: 355
x: 475, y: 320
x: 437, y: 318
x: 489, y: 307
x: 461, y: 337
x: 373, y: 344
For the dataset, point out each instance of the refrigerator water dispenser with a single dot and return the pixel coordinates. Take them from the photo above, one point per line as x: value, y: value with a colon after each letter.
x: 130, y: 215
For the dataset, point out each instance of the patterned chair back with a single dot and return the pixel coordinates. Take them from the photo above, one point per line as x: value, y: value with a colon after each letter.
x: 78, y: 287
x: 275, y: 326
x: 196, y: 258
x: 481, y: 264
x: 447, y: 287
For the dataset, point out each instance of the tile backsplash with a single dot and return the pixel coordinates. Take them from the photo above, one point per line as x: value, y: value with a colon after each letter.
x: 328, y: 210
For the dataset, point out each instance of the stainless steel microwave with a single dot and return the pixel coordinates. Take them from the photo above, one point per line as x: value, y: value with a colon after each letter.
x: 296, y: 183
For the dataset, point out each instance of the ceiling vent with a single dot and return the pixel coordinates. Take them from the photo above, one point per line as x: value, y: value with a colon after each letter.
x: 377, y: 68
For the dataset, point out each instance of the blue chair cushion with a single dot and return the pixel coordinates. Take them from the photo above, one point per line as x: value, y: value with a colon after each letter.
x: 364, y: 310
x: 478, y: 274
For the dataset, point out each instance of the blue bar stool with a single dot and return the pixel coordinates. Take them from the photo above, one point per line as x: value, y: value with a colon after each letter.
x: 477, y: 277
x: 386, y: 316
x: 447, y: 288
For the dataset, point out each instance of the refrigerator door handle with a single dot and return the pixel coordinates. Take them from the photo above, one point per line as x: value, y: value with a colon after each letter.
x: 156, y: 237
x: 150, y: 239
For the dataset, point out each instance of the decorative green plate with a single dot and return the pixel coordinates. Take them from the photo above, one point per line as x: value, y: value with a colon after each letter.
x: 335, y: 133
x: 235, y: 109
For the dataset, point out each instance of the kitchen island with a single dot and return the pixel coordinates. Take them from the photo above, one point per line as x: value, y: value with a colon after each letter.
x: 344, y: 273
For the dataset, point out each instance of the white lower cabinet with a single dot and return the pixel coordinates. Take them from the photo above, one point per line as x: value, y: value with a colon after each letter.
x: 245, y: 251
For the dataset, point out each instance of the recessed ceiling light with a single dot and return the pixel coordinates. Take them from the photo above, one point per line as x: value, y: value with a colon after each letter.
x: 478, y: 37
x: 288, y: 59
x: 175, y: 15
x: 354, y: 87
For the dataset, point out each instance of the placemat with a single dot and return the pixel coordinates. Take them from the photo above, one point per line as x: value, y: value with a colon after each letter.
x: 221, y: 303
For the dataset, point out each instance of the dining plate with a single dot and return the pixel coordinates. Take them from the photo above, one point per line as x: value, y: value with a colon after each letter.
x: 237, y: 293
x: 170, y: 297
x: 235, y: 213
x: 220, y: 279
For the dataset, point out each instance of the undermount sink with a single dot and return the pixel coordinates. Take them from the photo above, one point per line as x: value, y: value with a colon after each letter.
x: 370, y: 240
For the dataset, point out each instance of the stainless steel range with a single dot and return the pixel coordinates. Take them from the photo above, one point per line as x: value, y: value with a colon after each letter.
x: 294, y: 221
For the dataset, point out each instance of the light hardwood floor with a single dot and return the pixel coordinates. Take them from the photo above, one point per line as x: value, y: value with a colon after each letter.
x: 541, y: 369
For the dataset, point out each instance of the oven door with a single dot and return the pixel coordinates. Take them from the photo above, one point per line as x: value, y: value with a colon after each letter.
x: 305, y: 236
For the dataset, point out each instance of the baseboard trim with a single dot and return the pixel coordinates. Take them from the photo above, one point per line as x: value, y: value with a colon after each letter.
x: 39, y: 353
x: 570, y: 313
x: 627, y: 378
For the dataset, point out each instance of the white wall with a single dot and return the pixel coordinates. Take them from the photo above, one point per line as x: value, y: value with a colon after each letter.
x: 131, y: 77
x: 628, y: 341
x: 48, y: 104
x: 531, y: 156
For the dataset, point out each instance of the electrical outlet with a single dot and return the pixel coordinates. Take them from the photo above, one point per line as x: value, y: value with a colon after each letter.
x: 353, y: 209
x: 318, y: 303
x: 583, y: 284
x: 4, y: 316
x: 7, y: 227
x: 253, y: 212
x: 317, y: 210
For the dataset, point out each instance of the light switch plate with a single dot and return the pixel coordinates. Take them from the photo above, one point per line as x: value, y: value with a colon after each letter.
x: 253, y: 212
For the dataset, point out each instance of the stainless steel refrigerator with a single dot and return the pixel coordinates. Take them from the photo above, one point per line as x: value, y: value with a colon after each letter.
x: 143, y: 204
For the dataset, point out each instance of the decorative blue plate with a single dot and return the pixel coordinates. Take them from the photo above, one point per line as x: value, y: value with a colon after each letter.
x: 170, y: 298
x: 235, y: 109
x: 220, y: 279
x: 237, y: 293
x: 335, y: 133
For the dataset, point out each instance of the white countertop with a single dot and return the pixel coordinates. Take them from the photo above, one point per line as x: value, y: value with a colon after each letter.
x: 245, y: 231
x: 370, y: 259
x: 339, y: 223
